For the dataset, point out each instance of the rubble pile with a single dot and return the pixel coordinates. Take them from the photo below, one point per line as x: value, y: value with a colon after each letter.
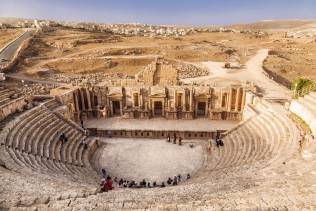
x: 190, y: 71
x: 35, y: 89
x: 84, y: 79
x: 62, y: 44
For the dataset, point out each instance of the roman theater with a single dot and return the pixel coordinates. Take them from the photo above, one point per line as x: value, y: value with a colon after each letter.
x: 75, y: 102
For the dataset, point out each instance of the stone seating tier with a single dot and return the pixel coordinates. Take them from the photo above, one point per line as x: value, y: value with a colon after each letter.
x: 33, y: 142
x: 234, y: 175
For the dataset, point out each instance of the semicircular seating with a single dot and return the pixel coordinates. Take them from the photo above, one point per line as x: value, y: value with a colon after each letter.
x: 32, y: 141
x: 230, y: 180
x: 305, y: 108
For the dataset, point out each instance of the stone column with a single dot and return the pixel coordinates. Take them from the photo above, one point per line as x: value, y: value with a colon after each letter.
x: 141, y: 99
x: 121, y: 107
x: 99, y: 99
x: 82, y: 100
x: 175, y: 98
x: 76, y: 102
x: 242, y: 103
x: 229, y: 108
x: 111, y: 107
x: 206, y: 107
x: 93, y: 103
x: 237, y: 99
x: 183, y: 101
x: 191, y: 99
x: 88, y: 99
x: 221, y: 99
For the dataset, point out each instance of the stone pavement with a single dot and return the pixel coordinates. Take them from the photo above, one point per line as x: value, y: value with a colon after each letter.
x: 153, y: 160
x: 202, y: 124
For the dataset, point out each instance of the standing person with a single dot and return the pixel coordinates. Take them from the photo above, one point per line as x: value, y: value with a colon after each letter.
x: 217, y: 143
x: 209, y: 146
x: 103, y: 171
x: 175, y: 181
x: 174, y: 138
x: 81, y: 121
x: 221, y: 143
x: 168, y: 138
x: 65, y: 139
x: 180, y: 141
x: 188, y: 176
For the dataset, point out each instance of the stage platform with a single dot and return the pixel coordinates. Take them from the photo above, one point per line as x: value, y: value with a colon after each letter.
x: 160, y: 124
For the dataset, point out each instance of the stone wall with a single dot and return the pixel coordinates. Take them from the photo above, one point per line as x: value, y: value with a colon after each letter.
x: 170, y: 102
x: 12, y: 107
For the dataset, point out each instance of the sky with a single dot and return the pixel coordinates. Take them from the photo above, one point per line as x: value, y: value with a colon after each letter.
x: 173, y: 12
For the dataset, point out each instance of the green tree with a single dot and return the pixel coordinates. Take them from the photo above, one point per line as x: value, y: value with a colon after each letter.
x: 302, y: 86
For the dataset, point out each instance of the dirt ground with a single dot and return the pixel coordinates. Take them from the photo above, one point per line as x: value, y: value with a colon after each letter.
x: 6, y: 35
x: 66, y: 50
x: 292, y: 58
x: 74, y: 51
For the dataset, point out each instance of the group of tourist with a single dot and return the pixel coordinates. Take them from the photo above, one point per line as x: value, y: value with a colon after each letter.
x: 175, y: 139
x: 62, y: 137
x: 219, y: 143
x: 107, y: 183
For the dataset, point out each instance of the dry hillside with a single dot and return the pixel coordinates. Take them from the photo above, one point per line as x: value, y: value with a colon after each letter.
x: 67, y: 50
x: 6, y: 35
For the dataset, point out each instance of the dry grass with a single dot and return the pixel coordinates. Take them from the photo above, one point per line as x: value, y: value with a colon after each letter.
x: 52, y: 47
x: 75, y: 51
x: 293, y: 58
x: 6, y: 35
x: 299, y: 121
x: 127, y: 66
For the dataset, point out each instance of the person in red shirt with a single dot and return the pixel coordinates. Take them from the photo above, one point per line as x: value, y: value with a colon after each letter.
x: 108, y: 184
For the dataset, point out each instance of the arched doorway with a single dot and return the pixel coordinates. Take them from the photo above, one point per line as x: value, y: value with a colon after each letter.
x: 201, y: 109
x: 158, y: 108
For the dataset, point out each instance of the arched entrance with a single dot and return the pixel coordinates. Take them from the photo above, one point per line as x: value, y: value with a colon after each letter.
x: 158, y: 108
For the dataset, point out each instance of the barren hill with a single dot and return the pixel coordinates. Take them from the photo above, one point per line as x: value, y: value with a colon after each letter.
x: 274, y: 25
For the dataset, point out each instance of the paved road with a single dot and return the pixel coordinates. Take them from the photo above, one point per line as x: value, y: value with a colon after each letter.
x: 9, y: 52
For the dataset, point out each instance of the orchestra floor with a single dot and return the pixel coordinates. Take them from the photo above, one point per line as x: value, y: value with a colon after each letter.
x: 153, y: 160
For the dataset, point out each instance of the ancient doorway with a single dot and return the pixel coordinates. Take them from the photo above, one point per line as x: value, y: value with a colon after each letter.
x: 158, y: 108
x: 224, y: 115
x: 201, y: 109
x: 116, y: 108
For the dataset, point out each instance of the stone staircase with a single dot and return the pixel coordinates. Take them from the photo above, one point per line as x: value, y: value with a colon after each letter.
x: 30, y: 146
x: 258, y: 168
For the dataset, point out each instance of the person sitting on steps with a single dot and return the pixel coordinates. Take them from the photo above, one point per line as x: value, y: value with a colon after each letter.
x: 175, y: 181
x: 169, y: 181
x: 163, y: 185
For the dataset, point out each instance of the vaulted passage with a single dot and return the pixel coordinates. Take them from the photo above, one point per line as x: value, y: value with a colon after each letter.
x: 158, y: 109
